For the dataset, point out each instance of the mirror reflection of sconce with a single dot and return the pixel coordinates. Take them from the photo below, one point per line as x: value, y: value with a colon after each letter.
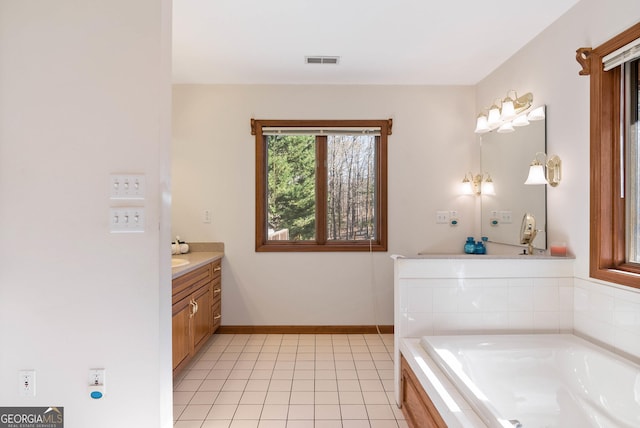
x: 547, y: 171
x: 513, y: 112
x: 477, y: 184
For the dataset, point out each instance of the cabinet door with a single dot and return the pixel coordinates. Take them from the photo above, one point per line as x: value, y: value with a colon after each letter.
x: 180, y: 325
x: 201, y: 321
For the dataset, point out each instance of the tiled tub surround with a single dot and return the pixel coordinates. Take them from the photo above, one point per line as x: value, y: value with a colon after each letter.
x: 442, y: 296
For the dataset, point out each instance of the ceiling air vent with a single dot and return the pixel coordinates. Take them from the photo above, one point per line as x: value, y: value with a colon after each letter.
x: 321, y: 59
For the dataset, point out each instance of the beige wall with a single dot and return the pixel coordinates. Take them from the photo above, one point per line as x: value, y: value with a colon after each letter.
x: 84, y: 92
x: 431, y: 148
x: 547, y: 67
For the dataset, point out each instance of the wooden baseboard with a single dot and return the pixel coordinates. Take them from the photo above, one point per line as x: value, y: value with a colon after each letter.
x: 304, y: 329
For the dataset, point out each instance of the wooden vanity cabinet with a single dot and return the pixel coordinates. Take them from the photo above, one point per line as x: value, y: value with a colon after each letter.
x: 417, y: 407
x: 194, y: 300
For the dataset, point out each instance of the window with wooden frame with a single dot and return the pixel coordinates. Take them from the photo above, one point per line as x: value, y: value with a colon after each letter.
x: 615, y: 162
x: 321, y: 185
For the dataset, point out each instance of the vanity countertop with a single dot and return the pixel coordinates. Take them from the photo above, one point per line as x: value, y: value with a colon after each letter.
x: 195, y: 259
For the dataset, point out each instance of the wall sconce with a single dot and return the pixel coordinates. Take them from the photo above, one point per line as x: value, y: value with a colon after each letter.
x: 477, y: 185
x: 513, y: 112
x: 538, y: 174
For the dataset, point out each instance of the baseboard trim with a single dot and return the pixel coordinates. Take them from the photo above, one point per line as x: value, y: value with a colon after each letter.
x: 304, y: 329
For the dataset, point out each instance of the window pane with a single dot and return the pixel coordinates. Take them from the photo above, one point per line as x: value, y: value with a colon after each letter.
x: 291, y: 187
x: 633, y: 163
x: 351, y: 187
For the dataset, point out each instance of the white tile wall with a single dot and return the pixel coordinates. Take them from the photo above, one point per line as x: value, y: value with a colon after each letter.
x: 609, y: 314
x: 436, y: 296
x: 443, y: 306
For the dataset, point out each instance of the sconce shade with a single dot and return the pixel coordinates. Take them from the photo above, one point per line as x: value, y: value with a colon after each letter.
x: 536, y: 114
x: 466, y: 187
x: 488, y: 188
x: 508, y: 111
x: 536, y: 174
x: 482, y: 125
x: 505, y: 128
x: 520, y: 121
x: 494, y: 115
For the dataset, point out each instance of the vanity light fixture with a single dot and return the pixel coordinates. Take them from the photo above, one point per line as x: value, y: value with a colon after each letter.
x: 477, y: 184
x: 513, y: 111
x: 547, y: 171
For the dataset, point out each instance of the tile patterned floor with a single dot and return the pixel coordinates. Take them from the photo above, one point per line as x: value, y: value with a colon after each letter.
x: 289, y: 381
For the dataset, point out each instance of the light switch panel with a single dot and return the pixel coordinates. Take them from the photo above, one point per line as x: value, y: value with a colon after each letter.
x: 127, y: 186
x: 126, y: 220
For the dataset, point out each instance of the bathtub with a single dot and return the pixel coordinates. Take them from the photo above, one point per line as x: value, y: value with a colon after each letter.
x: 540, y: 380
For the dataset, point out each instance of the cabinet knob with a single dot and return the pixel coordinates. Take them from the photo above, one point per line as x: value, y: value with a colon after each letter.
x: 216, y: 290
x: 217, y: 268
x: 217, y: 317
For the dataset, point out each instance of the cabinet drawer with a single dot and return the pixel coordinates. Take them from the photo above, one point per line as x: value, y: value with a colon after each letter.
x: 217, y: 316
x: 216, y: 290
x: 187, y: 283
x: 217, y: 268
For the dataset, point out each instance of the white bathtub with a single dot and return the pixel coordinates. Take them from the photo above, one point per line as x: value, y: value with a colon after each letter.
x: 554, y: 380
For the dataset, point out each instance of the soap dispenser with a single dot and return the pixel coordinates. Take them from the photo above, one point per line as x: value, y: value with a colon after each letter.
x: 470, y: 246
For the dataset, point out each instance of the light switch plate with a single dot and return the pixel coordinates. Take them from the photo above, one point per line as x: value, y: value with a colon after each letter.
x: 126, y: 220
x: 127, y: 186
x: 442, y: 217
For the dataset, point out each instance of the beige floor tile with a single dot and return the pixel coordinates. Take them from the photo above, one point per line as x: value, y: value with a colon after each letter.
x: 222, y: 411
x: 353, y: 411
x: 275, y: 411
x: 195, y: 412
x: 248, y: 411
x: 216, y: 423
x: 301, y: 411
x: 327, y: 411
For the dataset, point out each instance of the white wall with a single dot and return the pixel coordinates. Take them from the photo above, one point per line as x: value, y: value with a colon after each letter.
x: 431, y: 148
x: 84, y: 92
x: 547, y: 67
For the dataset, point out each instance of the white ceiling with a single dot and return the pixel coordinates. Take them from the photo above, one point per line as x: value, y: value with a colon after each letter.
x: 379, y: 42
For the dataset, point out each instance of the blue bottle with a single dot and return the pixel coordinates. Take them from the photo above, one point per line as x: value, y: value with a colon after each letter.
x: 480, y: 248
x: 470, y: 246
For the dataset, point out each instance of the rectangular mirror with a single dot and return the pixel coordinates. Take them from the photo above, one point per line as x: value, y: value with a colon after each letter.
x: 506, y: 158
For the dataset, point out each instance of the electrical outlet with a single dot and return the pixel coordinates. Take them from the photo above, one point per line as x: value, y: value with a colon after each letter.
x: 97, y: 387
x: 96, y: 376
x: 27, y: 383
